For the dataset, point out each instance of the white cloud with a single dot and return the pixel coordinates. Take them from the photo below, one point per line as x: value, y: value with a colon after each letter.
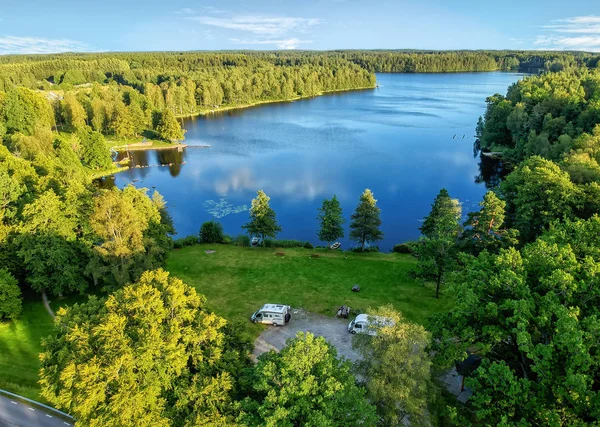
x: 29, y: 45
x: 291, y: 43
x: 261, y: 25
x: 575, y: 33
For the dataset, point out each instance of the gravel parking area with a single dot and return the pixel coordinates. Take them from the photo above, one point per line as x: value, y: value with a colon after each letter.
x: 334, y: 330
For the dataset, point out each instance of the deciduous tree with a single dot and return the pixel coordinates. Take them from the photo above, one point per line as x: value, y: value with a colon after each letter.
x: 144, y: 356
x: 306, y: 384
x: 396, y: 368
x: 263, y: 221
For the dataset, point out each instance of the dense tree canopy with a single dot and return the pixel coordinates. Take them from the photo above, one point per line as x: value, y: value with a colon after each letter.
x: 396, y: 368
x: 144, y: 356
x: 533, y: 316
x: 306, y: 385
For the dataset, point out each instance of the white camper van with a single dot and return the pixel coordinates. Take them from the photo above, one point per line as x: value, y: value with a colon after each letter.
x: 364, y: 324
x: 273, y: 314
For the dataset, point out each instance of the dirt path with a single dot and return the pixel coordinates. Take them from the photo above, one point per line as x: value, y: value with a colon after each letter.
x: 47, y: 305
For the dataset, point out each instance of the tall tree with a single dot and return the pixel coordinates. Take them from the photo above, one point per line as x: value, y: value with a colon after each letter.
x: 331, y: 220
x: 306, y: 384
x: 365, y: 221
x: 483, y: 228
x: 396, y: 368
x: 73, y: 114
x: 263, y: 221
x: 440, y: 231
x: 93, y: 151
x: 168, y: 127
x: 10, y: 296
x: 144, y: 356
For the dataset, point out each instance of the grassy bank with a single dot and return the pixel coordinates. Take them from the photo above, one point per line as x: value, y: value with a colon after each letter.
x: 20, y: 344
x: 238, y: 280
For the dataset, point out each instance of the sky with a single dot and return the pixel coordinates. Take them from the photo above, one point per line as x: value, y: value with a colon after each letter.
x: 36, y: 26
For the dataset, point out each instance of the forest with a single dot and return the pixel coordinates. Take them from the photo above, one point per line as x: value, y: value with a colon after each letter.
x: 523, y: 269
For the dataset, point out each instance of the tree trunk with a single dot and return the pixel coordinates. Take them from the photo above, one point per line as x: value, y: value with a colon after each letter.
x: 437, y: 286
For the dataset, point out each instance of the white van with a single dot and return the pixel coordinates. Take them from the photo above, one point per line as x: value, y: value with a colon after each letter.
x: 365, y: 324
x: 273, y: 314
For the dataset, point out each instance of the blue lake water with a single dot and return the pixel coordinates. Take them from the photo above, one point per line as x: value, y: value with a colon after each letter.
x: 404, y: 140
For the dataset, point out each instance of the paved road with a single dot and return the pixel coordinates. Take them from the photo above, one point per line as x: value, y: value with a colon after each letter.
x: 14, y: 413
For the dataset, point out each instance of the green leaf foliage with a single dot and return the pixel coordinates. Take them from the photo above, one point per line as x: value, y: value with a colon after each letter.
x: 144, y: 356
x: 396, y: 368
x: 211, y: 232
x: 440, y: 231
x: 263, y: 221
x: 365, y: 221
x: 10, y: 296
x: 331, y: 220
x: 306, y: 384
x: 532, y: 315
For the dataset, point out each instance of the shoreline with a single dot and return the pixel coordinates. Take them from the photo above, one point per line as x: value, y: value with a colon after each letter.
x: 273, y: 101
x: 149, y: 147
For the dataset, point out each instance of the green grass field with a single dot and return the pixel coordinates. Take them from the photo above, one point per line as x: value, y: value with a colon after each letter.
x: 20, y: 344
x: 237, y: 281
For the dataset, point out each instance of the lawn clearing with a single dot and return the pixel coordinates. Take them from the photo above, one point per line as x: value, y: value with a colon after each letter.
x: 237, y: 281
x: 20, y: 345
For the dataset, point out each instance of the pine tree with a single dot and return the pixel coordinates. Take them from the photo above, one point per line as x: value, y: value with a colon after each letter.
x: 440, y: 230
x: 364, y: 227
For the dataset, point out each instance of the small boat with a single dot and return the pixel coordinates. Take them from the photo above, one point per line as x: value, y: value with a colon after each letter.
x: 335, y: 246
x: 254, y: 241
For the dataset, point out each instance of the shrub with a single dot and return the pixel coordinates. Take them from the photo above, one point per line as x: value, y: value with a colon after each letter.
x: 369, y: 249
x: 308, y: 245
x: 402, y: 248
x: 211, y: 232
x: 242, y: 240
x: 406, y: 247
x: 227, y: 239
x: 185, y: 241
x: 272, y: 243
x: 10, y: 296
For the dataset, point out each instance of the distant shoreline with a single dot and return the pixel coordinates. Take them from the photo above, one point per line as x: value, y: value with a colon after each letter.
x: 272, y: 101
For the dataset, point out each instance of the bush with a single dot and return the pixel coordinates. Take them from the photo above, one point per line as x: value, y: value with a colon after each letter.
x: 402, y: 248
x: 242, y: 240
x: 185, y: 241
x: 406, y: 247
x: 211, y: 232
x: 272, y: 243
x: 369, y: 249
x: 10, y: 296
x: 227, y: 239
x: 308, y: 245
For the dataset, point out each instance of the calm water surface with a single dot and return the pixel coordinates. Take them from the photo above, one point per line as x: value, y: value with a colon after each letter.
x: 405, y: 140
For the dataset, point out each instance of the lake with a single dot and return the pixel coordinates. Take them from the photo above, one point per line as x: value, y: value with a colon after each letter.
x: 404, y: 140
